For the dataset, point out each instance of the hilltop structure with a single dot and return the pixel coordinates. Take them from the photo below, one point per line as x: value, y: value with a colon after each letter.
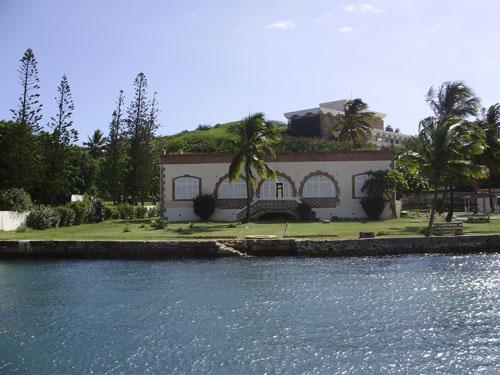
x: 320, y: 122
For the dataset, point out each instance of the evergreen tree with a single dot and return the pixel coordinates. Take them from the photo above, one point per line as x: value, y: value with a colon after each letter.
x: 150, y: 148
x: 114, y: 164
x: 29, y: 109
x: 59, y: 170
x: 137, y: 123
x: 19, y: 149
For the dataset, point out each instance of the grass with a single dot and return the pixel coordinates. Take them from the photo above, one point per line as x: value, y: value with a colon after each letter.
x: 142, y: 230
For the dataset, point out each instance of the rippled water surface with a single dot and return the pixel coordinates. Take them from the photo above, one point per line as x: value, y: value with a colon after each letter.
x: 416, y: 314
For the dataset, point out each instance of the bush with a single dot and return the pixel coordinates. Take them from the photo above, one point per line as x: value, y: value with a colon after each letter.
x: 478, y: 219
x: 141, y: 212
x: 153, y: 211
x: 67, y: 216
x: 204, y: 206
x: 111, y: 212
x: 159, y: 223
x: 97, y: 211
x: 81, y: 210
x: 126, y: 211
x: 15, y: 200
x: 305, y: 212
x: 373, y: 207
x: 43, y: 218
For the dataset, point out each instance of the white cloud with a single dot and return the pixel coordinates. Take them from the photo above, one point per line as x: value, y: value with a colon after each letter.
x: 370, y: 8
x: 280, y: 25
x: 366, y: 8
x: 346, y: 30
x: 325, y: 17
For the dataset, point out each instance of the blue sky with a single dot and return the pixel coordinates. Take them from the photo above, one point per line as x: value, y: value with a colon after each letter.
x: 214, y: 61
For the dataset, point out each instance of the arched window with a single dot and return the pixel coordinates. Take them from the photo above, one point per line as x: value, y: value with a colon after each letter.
x: 319, y: 186
x: 232, y: 190
x: 359, y: 182
x: 276, y: 189
x: 186, y: 188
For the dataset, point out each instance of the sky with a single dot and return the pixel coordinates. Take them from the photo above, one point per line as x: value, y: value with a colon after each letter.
x: 217, y: 61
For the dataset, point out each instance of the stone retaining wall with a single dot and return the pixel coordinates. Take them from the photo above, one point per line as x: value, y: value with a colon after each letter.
x: 258, y: 247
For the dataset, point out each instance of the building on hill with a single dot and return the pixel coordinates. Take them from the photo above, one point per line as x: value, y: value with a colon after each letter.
x: 319, y: 122
x: 329, y: 182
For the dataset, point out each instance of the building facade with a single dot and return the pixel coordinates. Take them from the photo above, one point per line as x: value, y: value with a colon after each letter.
x: 329, y: 182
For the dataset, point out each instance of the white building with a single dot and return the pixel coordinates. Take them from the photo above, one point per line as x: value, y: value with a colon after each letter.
x: 329, y: 182
x: 319, y: 122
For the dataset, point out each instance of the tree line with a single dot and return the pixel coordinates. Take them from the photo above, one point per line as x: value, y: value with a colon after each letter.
x: 46, y: 162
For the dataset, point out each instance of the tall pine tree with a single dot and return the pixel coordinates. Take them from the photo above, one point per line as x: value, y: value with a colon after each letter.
x: 59, y: 171
x: 29, y: 108
x: 19, y: 148
x: 151, y: 149
x: 114, y: 165
x: 137, y: 124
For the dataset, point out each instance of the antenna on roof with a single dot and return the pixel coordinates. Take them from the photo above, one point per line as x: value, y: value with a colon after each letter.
x: 351, y: 94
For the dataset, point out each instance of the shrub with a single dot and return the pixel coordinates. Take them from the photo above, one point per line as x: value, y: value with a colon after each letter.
x: 15, y: 200
x: 159, y: 223
x: 43, y: 218
x: 111, y: 212
x: 81, y: 210
x: 67, y: 216
x: 373, y: 207
x: 153, y: 211
x: 141, y: 212
x: 126, y: 211
x: 204, y: 206
x: 305, y: 212
x: 97, y: 211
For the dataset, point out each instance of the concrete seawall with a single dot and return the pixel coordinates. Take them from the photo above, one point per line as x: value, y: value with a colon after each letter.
x: 254, y: 247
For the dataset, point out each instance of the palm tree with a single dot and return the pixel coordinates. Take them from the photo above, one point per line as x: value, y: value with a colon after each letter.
x: 254, y: 139
x: 490, y: 124
x: 353, y: 127
x: 443, y: 149
x: 454, y: 102
x: 96, y: 144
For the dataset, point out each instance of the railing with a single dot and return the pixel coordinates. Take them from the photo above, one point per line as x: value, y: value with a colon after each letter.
x: 268, y: 206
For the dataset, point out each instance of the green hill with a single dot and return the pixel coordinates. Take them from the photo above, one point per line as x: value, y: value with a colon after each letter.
x: 219, y: 139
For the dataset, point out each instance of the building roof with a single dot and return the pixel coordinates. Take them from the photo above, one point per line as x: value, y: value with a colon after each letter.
x: 166, y: 158
x: 334, y: 107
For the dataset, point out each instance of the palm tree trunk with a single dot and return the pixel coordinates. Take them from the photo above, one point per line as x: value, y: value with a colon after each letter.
x: 433, y: 209
x: 249, y: 197
x: 449, y: 216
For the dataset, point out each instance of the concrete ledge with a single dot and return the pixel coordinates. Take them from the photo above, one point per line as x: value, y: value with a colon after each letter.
x: 254, y: 247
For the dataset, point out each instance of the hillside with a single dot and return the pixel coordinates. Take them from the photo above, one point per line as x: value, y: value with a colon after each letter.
x: 219, y: 139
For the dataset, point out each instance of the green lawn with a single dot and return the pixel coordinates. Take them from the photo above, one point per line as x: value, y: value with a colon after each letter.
x: 140, y: 230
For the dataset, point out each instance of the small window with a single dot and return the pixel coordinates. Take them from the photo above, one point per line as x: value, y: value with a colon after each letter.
x: 278, y: 189
x: 319, y: 186
x: 359, y: 182
x: 232, y: 190
x: 186, y: 188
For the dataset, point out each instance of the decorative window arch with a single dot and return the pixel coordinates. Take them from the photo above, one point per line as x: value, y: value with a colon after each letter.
x: 281, y: 188
x: 186, y: 188
x: 319, y: 186
x: 231, y: 190
x: 358, y: 181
